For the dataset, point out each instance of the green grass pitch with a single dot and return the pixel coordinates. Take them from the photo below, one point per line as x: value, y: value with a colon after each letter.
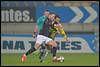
x: 71, y: 59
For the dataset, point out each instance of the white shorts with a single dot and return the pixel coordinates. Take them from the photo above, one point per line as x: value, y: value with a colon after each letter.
x: 40, y: 39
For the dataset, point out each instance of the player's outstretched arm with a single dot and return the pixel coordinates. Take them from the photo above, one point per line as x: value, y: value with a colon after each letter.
x: 61, y: 30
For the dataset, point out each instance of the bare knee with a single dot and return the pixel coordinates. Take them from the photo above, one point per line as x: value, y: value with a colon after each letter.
x: 37, y: 45
x: 52, y: 43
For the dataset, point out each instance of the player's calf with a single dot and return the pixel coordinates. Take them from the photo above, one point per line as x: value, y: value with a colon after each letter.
x: 54, y: 47
x: 24, y: 56
x: 43, y: 55
x: 43, y: 52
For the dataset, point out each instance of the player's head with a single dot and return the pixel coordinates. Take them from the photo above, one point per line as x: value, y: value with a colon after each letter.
x: 46, y: 13
x: 52, y: 16
x: 57, y: 18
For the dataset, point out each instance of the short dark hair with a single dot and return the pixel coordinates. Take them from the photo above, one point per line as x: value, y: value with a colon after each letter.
x: 57, y: 16
x: 52, y: 13
x: 47, y: 10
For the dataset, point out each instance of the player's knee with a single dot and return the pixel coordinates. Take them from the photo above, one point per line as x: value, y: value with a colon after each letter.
x: 55, y: 44
x: 52, y: 43
x: 37, y: 46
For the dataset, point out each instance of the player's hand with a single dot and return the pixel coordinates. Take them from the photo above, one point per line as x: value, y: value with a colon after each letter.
x: 66, y: 39
x: 35, y: 35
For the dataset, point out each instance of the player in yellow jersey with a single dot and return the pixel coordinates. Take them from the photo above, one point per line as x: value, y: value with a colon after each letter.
x: 58, y: 28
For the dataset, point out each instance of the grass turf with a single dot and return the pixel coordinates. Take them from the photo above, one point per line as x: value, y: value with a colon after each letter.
x: 71, y: 59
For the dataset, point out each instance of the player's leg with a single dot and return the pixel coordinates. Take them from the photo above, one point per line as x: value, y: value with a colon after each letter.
x: 54, y: 47
x: 44, y: 52
x: 42, y: 49
x: 33, y: 49
x: 37, y: 45
x: 24, y: 56
x: 52, y: 43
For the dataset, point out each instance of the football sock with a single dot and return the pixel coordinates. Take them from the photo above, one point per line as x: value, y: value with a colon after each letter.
x: 54, y: 51
x: 30, y: 51
x: 41, y: 51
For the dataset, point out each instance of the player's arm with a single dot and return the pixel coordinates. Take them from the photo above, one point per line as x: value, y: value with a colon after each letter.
x: 35, y: 31
x: 61, y: 31
x: 37, y: 27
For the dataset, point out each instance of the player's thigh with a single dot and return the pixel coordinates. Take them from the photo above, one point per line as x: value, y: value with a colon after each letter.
x: 52, y: 43
x: 37, y: 45
x: 39, y: 41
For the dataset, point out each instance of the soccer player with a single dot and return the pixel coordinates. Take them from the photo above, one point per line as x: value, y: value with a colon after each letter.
x: 44, y: 34
x: 57, y: 28
x: 39, y: 25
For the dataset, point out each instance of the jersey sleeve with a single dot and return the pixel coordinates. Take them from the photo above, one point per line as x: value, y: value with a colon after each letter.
x: 40, y: 22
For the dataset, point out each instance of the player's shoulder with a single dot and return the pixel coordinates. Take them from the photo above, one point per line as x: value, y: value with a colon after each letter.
x: 42, y: 18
